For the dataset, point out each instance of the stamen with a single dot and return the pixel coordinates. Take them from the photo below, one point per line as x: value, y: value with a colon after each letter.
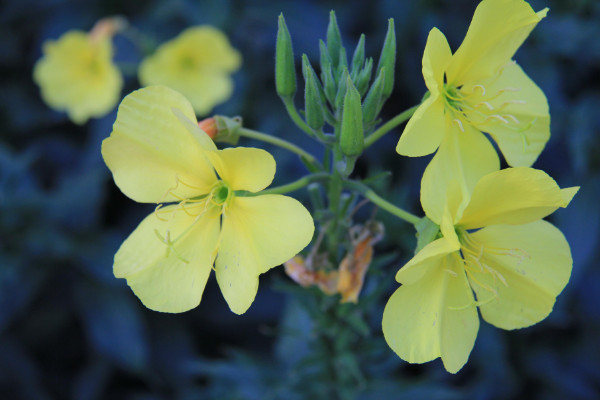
x: 451, y: 272
x: 484, y: 103
x: 170, y: 245
x: 511, y: 117
x: 158, y: 207
x: 481, y: 87
x: 459, y: 123
x: 498, y: 117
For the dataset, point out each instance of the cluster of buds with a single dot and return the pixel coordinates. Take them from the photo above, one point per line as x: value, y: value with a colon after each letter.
x: 344, y: 95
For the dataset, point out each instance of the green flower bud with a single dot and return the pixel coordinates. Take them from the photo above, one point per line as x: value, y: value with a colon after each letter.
x: 285, y: 71
x: 358, y: 58
x: 374, y: 100
x: 334, y: 39
x: 227, y: 129
x: 342, y: 62
x: 313, y: 100
x: 341, y: 92
x: 387, y: 58
x: 362, y: 81
x: 352, y: 140
x: 324, y: 58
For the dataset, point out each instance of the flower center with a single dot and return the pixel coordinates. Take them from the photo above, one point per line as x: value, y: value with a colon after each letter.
x: 473, y: 254
x: 481, y: 108
x: 218, y: 197
x: 220, y: 194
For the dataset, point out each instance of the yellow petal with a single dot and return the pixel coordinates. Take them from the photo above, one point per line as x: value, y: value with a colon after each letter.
x: 428, y: 258
x: 436, y: 57
x: 423, y: 133
x: 462, y: 159
x: 514, y: 196
x: 520, y: 121
x: 244, y: 168
x: 151, y: 154
x: 536, y: 265
x: 497, y: 30
x: 424, y: 130
x: 434, y: 317
x: 259, y: 233
x: 169, y: 278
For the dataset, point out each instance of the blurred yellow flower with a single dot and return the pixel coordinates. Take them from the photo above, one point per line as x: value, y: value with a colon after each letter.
x: 158, y: 154
x: 493, y: 243
x: 76, y: 74
x: 479, y: 87
x: 197, y: 63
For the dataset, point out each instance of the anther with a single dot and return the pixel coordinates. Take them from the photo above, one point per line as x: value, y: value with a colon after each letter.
x: 480, y: 87
x: 459, y: 123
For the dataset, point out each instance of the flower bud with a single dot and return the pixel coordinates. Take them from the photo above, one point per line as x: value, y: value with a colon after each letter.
x: 374, y: 100
x: 285, y: 71
x: 358, y: 58
x: 227, y: 129
x: 341, y: 92
x: 209, y: 125
x: 362, y: 81
x: 313, y: 101
x: 387, y: 58
x: 334, y: 39
x: 351, y: 137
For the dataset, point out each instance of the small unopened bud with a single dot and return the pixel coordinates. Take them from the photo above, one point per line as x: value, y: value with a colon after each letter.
x: 387, y: 58
x: 108, y: 27
x: 362, y: 81
x: 358, y: 58
x: 227, y: 129
x: 374, y: 100
x: 285, y: 71
x: 334, y: 39
x: 352, y: 138
x: 209, y: 125
x: 313, y: 99
x: 341, y: 92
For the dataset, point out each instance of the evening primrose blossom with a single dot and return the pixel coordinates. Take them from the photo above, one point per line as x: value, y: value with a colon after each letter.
x: 494, y: 253
x: 480, y: 87
x: 197, y: 63
x: 76, y: 73
x: 158, y: 154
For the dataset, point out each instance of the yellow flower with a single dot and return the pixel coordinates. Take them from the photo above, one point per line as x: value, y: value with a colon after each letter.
x: 158, y: 154
x: 494, y: 252
x: 480, y: 87
x: 197, y: 64
x: 76, y: 74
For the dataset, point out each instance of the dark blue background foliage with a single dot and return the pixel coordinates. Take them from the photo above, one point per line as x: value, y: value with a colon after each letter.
x: 70, y: 330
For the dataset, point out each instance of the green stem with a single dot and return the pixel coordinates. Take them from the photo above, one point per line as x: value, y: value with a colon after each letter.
x: 391, y: 124
x: 334, y: 193
x: 291, y: 109
x: 368, y: 193
x: 290, y: 187
x: 249, y: 133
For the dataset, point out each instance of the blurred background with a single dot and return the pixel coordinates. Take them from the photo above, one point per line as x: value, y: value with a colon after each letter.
x: 70, y: 330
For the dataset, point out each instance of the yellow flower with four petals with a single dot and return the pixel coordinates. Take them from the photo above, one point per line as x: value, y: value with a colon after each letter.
x: 76, y: 74
x: 479, y: 88
x: 197, y: 63
x: 158, y: 154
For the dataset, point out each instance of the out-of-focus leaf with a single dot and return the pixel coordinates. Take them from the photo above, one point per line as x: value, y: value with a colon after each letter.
x: 113, y: 325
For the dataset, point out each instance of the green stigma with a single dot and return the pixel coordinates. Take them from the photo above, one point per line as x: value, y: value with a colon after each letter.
x: 220, y: 193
